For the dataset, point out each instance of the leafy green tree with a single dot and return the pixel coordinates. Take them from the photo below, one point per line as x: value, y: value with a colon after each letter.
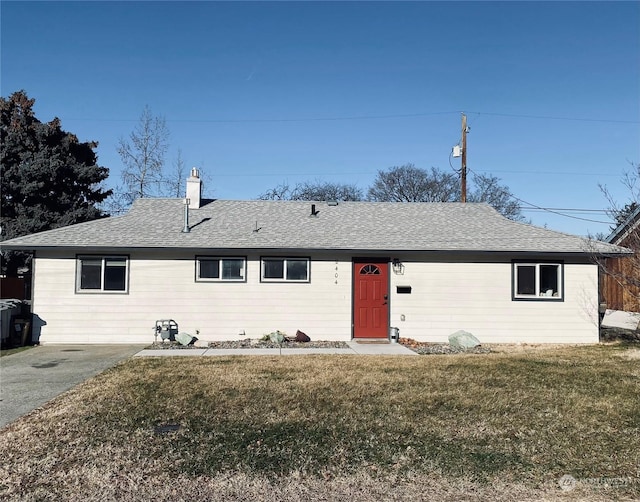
x: 49, y: 178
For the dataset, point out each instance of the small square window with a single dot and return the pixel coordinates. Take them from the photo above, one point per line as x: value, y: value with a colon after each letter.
x: 539, y: 281
x: 209, y: 269
x: 285, y: 270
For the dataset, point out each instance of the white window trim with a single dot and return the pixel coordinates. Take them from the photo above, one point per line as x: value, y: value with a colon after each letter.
x: 538, y: 296
x: 285, y: 259
x: 220, y: 260
x: 101, y: 291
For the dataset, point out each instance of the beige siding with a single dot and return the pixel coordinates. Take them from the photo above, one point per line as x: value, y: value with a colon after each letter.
x: 446, y: 296
x: 166, y: 288
x: 476, y: 297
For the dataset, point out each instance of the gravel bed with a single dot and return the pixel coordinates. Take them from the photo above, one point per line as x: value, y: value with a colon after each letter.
x: 252, y: 343
x: 440, y: 348
x: 171, y: 345
x: 249, y: 343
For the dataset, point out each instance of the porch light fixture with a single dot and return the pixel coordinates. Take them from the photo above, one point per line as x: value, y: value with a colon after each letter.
x: 398, y: 267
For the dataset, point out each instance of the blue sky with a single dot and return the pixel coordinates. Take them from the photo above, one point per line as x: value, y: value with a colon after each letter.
x: 258, y: 93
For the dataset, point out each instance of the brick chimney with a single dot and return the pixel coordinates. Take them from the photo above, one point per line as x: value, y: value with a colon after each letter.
x: 194, y: 189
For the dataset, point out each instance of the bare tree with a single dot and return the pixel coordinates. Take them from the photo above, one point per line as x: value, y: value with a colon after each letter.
x: 143, y: 155
x: 175, y: 181
x: 409, y: 183
x: 318, y: 190
x: 487, y: 188
x: 622, y: 275
x: 280, y: 192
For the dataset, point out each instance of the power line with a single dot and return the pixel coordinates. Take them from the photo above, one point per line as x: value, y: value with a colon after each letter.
x: 555, y: 211
x: 548, y: 117
x: 567, y: 173
x: 569, y: 209
x: 552, y: 211
x: 363, y: 117
x: 271, y: 120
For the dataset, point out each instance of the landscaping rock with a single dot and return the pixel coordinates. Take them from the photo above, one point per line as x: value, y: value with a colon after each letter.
x: 185, y: 339
x: 463, y: 340
x: 276, y: 337
x: 428, y: 348
x: 302, y: 337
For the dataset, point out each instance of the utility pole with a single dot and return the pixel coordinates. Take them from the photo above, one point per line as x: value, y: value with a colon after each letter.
x: 463, y: 170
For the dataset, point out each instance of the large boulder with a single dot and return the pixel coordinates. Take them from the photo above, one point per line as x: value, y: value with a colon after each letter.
x: 463, y: 340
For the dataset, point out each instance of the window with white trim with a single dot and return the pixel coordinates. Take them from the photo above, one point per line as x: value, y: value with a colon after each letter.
x: 284, y: 269
x: 102, y: 274
x: 222, y: 269
x: 539, y: 281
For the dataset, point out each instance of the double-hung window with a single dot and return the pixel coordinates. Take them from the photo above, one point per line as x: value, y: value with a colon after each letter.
x: 539, y: 281
x: 274, y: 269
x: 97, y: 274
x: 222, y: 269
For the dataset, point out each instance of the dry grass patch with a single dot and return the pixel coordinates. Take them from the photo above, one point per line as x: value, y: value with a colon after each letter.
x: 460, y: 427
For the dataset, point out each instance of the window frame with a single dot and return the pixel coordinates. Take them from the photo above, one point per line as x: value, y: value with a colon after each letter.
x: 220, y: 260
x: 536, y: 296
x: 285, y: 260
x: 103, y: 268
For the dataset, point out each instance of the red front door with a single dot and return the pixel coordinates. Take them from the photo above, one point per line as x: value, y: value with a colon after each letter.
x: 371, y: 299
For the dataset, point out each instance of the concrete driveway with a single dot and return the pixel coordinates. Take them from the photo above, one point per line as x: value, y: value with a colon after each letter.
x: 32, y: 377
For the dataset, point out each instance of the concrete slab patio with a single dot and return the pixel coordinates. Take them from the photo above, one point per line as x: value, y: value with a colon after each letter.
x: 32, y: 377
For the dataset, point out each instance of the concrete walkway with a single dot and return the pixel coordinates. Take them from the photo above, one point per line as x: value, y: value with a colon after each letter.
x: 392, y: 349
x: 30, y: 378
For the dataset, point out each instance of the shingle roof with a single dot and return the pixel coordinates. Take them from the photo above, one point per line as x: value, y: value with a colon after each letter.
x: 257, y: 224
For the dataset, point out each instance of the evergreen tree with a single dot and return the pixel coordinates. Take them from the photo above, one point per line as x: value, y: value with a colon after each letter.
x: 49, y: 178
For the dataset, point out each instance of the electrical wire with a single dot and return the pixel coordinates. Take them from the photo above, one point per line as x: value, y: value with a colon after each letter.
x: 546, y: 209
x: 364, y: 117
x: 552, y: 211
x: 548, y: 117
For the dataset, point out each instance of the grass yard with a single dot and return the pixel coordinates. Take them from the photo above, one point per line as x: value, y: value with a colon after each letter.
x: 15, y: 350
x: 500, y: 426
